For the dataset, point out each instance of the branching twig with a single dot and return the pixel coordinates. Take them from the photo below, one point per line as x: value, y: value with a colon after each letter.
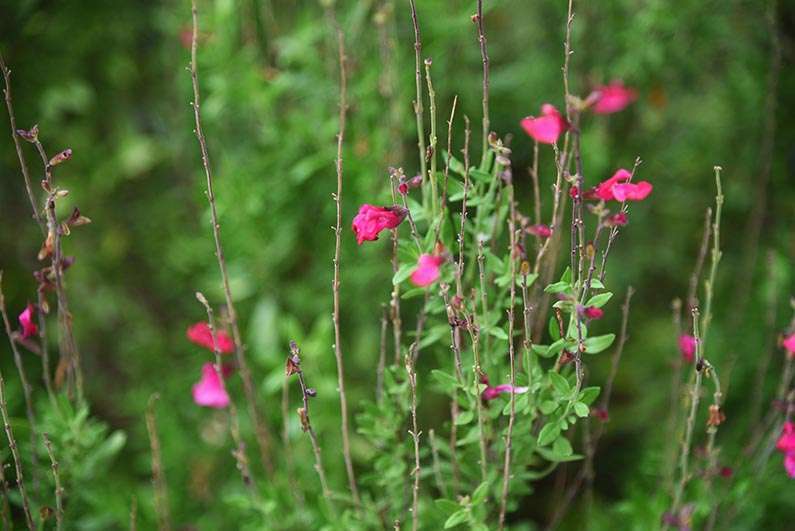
x: 484, y: 55
x: 418, y: 111
x: 415, y: 435
x: 262, y: 435
x: 58, y: 489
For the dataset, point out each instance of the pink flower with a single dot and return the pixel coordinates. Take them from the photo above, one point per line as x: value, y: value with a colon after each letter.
x: 29, y: 328
x: 201, y: 335
x: 789, y: 344
x: 789, y: 464
x: 786, y: 441
x: 592, y: 312
x: 490, y: 393
x: 618, y: 189
x: 427, y: 271
x: 547, y: 127
x: 373, y: 219
x: 540, y: 230
x: 600, y: 413
x: 617, y: 220
x: 210, y: 390
x: 687, y: 346
x: 612, y: 98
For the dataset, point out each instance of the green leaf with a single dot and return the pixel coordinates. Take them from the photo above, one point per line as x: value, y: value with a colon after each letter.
x: 464, y: 418
x: 455, y: 164
x: 479, y: 496
x: 588, y: 395
x: 558, y: 287
x: 554, y: 331
x: 597, y: 344
x: 456, y: 518
x: 499, y: 333
x: 560, y: 383
x: 566, y: 276
x: 448, y: 381
x: 547, y: 407
x: 565, y: 306
x: 549, y: 433
x: 446, y: 506
x: 599, y: 300
x: 597, y: 284
x: 581, y: 410
x: 403, y: 272
x: 562, y: 447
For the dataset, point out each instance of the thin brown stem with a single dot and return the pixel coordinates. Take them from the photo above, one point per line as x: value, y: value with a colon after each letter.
x: 484, y: 56
x: 506, y: 470
x: 261, y: 430
x: 22, y: 164
x: 418, y: 110
x: 158, y: 477
x: 415, y: 435
x: 306, y: 425
x: 58, y: 489
x: 5, y: 509
x: 343, y: 110
x: 692, y: 300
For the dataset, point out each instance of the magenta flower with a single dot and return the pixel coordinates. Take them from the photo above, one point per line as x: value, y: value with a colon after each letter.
x: 612, y: 98
x: 29, y: 328
x: 490, y: 393
x: 617, y: 220
x: 786, y: 441
x: 371, y: 220
x: 789, y: 464
x: 210, y: 390
x: 427, y: 271
x: 687, y: 346
x: 200, y: 334
x: 617, y: 188
x: 546, y: 128
x: 540, y: 230
x: 789, y: 344
x: 592, y: 312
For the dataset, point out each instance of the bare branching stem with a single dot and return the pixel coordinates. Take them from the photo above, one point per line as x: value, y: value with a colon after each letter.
x: 261, y: 430
x: 695, y: 397
x: 58, y: 488
x: 484, y: 56
x: 22, y: 164
x: 415, y: 435
x: 418, y: 109
x: 343, y: 111
x: 158, y: 477
x: 433, y: 141
x: 709, y: 284
x: 506, y: 470
x: 12, y: 444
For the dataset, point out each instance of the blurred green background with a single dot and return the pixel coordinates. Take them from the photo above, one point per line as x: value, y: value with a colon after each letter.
x: 109, y: 80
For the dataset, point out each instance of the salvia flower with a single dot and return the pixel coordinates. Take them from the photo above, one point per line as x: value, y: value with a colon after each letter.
x: 611, y: 98
x: 687, y: 346
x: 618, y: 188
x: 371, y: 220
x: 201, y: 335
x: 490, y: 393
x: 592, y: 312
x: 210, y: 390
x: 789, y: 345
x: 546, y: 128
x: 600, y: 413
x: 540, y: 230
x: 29, y: 328
x: 428, y: 270
x: 407, y: 184
x: 786, y: 445
x: 617, y: 220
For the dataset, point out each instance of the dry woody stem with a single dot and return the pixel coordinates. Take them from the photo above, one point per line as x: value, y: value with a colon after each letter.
x: 343, y: 108
x: 261, y: 430
x: 58, y: 489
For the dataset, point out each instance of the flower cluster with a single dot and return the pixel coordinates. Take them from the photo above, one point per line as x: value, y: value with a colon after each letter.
x: 210, y: 390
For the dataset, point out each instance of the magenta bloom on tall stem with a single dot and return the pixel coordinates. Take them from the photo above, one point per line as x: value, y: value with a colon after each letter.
x: 371, y: 220
x: 789, y: 344
x: 546, y: 128
x: 428, y: 270
x: 201, y: 335
x: 611, y: 98
x: 786, y: 445
x: 617, y: 188
x: 29, y: 328
x: 492, y: 392
x: 210, y: 390
x: 540, y: 230
x: 687, y: 346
